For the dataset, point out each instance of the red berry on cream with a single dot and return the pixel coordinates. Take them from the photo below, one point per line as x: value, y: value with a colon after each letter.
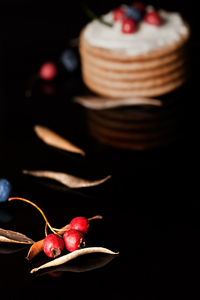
x: 129, y: 26
x: 153, y: 18
x: 139, y: 5
x: 118, y: 14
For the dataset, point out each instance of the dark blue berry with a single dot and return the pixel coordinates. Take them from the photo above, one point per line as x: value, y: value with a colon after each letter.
x: 5, y: 189
x: 134, y: 13
x: 69, y: 60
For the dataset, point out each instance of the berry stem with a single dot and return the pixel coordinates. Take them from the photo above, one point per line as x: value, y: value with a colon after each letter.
x: 98, y: 217
x: 45, y: 229
x: 61, y: 230
x: 39, y: 209
x: 92, y: 16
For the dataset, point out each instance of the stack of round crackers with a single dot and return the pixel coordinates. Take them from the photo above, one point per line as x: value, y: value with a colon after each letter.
x: 157, y: 70
x: 116, y: 75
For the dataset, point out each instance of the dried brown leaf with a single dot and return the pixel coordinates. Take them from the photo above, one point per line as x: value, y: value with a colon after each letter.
x: 9, y: 236
x: 53, y: 139
x: 66, y: 179
x: 98, y: 103
x: 35, y: 249
x: 70, y: 256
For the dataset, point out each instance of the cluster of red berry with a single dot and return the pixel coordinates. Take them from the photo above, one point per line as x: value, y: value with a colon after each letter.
x: 73, y: 238
x: 130, y: 17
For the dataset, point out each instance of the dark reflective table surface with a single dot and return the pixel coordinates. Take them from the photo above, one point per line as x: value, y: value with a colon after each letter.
x: 150, y: 205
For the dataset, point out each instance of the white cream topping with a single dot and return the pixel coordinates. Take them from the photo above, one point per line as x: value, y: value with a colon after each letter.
x: 145, y: 39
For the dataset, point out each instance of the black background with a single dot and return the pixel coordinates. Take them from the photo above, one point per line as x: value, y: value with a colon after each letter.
x: 150, y: 205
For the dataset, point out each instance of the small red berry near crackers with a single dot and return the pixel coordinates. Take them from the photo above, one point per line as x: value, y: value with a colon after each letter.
x: 48, y: 71
x: 139, y: 5
x: 129, y: 26
x: 153, y: 18
x: 118, y: 14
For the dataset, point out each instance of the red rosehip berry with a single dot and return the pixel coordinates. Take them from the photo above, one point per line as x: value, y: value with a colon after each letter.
x: 118, y: 14
x: 48, y: 71
x: 80, y: 223
x: 129, y: 26
x: 139, y: 5
x: 73, y: 240
x: 53, y: 245
x: 153, y: 18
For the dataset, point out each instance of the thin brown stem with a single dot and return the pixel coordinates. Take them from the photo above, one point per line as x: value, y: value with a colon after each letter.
x: 37, y: 207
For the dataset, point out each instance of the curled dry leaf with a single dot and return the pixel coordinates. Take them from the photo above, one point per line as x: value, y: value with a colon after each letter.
x: 9, y: 236
x: 37, y: 247
x: 70, y: 256
x: 66, y: 179
x: 98, y: 103
x: 88, y: 263
x: 53, y: 139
